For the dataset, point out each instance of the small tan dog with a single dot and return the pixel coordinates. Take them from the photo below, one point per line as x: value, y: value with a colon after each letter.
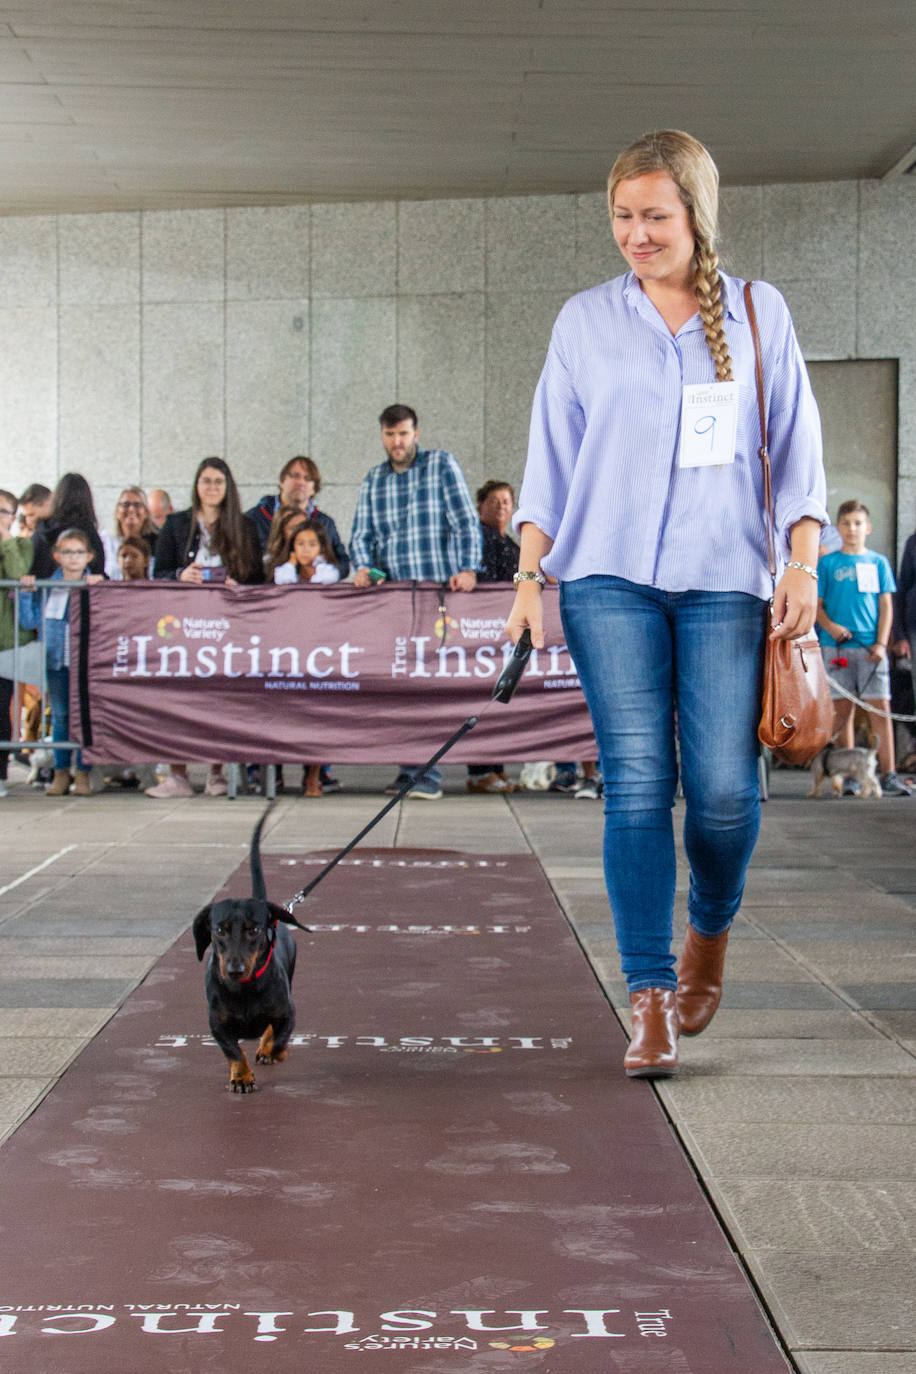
x: 840, y: 764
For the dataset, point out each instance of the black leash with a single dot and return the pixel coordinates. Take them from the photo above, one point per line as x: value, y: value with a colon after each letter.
x: 506, y: 684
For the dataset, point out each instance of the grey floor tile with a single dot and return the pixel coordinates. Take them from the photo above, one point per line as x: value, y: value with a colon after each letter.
x: 63, y: 992
x: 868, y: 1303
x: 855, y: 1362
x: 38, y: 1021
x: 762, y: 1099
x: 828, y: 1217
x: 28, y: 1056
x: 883, y: 996
x: 857, y: 1058
x: 18, y: 1095
x: 781, y: 1150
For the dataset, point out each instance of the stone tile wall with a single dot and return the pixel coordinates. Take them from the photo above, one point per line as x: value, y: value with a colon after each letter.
x: 132, y: 345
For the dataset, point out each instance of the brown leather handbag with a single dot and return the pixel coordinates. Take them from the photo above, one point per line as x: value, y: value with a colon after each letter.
x: 796, y: 717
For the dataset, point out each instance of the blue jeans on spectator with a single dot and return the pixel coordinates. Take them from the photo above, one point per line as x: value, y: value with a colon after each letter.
x: 59, y: 697
x: 419, y: 774
x: 654, y: 664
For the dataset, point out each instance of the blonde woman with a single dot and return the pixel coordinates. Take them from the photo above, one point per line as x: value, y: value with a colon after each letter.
x: 132, y: 519
x: 643, y: 497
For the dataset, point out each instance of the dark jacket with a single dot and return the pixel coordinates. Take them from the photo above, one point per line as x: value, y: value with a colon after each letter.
x: 905, y: 598
x: 173, y: 552
x: 263, y: 513
x: 46, y: 536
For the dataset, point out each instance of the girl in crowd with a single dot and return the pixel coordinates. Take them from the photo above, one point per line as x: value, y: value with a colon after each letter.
x: 131, y: 519
x: 133, y: 559
x: 72, y: 508
x: 659, y: 550
x: 211, y: 541
x: 307, y: 555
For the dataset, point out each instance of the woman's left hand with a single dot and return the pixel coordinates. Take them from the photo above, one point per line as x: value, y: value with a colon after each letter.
x: 794, y: 605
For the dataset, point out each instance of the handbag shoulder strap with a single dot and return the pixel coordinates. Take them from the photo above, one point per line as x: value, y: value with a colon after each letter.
x: 763, y: 450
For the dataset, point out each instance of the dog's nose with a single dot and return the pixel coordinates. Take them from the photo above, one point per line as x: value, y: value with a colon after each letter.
x: 236, y: 971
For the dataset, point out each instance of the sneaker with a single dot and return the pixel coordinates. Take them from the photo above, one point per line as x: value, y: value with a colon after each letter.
x: 565, y: 781
x: 328, y: 780
x: 426, y: 789
x: 892, y: 785
x: 216, y: 785
x: 591, y: 790
x: 490, y: 782
x: 394, y: 788
x: 851, y: 787
x: 172, y: 785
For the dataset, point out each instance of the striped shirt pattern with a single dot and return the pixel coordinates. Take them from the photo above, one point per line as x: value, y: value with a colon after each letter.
x: 602, y: 478
x: 419, y: 525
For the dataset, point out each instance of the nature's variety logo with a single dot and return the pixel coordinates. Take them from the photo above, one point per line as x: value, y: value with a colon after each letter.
x: 444, y: 625
x: 166, y: 627
x: 539, y: 1343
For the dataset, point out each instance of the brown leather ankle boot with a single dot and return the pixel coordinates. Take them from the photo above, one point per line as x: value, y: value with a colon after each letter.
x: 699, y: 979
x: 59, y: 785
x: 652, y: 1052
x: 81, y: 783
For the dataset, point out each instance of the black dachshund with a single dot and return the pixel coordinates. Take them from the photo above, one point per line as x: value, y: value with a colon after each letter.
x: 249, y: 974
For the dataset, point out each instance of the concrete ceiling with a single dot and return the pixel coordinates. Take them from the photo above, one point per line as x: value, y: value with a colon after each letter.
x: 153, y: 104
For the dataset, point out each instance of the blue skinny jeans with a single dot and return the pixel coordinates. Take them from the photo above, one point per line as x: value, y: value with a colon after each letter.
x: 659, y: 668
x: 59, y: 697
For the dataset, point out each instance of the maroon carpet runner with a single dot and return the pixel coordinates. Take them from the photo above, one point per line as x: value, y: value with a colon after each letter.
x: 450, y: 1173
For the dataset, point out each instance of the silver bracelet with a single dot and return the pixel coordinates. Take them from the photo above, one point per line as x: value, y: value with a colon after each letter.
x: 804, y: 567
x: 529, y: 577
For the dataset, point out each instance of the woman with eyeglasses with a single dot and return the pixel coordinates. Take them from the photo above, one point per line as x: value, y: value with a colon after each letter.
x: 131, y: 520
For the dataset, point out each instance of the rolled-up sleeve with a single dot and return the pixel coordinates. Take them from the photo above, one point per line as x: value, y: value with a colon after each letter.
x: 793, y: 433
x: 554, y: 439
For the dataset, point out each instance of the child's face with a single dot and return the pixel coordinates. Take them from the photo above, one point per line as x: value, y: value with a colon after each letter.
x: 306, y: 548
x: 72, y: 557
x: 854, y: 527
x: 132, y: 564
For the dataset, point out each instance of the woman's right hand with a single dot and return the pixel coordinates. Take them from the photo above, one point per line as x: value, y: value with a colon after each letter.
x: 192, y: 573
x: 527, y: 614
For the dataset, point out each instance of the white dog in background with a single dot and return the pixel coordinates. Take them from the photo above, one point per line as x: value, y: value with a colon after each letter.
x: 537, y: 777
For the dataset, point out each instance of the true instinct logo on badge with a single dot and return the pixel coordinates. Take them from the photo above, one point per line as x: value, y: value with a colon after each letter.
x: 709, y: 424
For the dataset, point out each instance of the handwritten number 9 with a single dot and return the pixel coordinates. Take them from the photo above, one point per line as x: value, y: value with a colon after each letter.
x: 706, y: 425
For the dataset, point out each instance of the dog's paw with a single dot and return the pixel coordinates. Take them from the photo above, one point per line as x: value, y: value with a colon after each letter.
x: 243, y: 1085
x: 274, y: 1057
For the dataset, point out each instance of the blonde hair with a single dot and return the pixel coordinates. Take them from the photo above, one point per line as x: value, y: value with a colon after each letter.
x: 696, y: 177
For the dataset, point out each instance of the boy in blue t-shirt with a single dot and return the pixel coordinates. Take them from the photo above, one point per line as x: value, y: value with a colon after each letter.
x: 856, y: 611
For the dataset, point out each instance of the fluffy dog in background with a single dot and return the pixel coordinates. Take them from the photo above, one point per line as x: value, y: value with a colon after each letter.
x: 839, y: 764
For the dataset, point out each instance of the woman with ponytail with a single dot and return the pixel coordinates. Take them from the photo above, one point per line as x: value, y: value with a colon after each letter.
x: 643, y: 497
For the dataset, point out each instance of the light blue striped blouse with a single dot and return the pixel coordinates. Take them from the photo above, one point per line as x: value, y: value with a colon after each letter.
x: 602, y: 477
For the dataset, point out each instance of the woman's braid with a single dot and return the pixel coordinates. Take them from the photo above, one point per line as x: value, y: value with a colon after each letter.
x: 708, y: 286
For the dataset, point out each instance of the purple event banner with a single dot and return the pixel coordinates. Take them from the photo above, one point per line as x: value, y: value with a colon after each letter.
x: 272, y: 674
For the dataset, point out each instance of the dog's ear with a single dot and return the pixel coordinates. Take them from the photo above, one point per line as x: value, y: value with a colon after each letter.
x: 200, y: 927
x: 280, y: 913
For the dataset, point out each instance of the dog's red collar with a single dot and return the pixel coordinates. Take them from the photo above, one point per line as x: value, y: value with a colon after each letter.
x: 262, y: 969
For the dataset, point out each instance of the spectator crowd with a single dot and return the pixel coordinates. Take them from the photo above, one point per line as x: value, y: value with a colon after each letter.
x: 415, y: 520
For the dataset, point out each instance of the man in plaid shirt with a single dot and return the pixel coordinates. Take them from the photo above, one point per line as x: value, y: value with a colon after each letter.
x: 415, y: 521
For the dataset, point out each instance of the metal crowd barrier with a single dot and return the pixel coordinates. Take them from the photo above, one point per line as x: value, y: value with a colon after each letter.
x: 24, y: 665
